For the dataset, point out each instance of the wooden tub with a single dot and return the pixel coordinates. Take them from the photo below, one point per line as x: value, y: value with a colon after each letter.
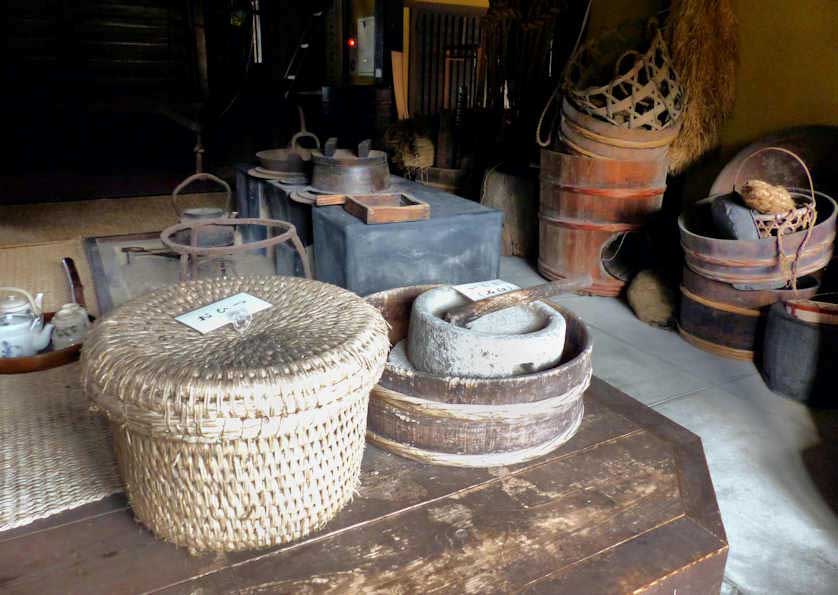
x: 723, y: 320
x: 752, y: 263
x: 588, y: 210
x: 475, y: 422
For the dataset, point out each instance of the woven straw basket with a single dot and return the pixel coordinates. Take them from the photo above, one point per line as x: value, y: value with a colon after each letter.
x: 234, y: 439
x: 642, y: 91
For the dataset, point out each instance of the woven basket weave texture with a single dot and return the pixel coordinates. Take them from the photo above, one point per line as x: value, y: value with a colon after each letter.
x: 643, y: 93
x: 230, y: 441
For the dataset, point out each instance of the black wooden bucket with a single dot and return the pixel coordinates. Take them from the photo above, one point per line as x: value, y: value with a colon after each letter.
x: 800, y: 357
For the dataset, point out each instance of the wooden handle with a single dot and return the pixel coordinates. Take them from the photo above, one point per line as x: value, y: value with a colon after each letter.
x: 73, y: 281
x: 25, y: 294
x: 292, y: 144
x: 328, y: 200
x: 792, y: 154
x: 462, y: 315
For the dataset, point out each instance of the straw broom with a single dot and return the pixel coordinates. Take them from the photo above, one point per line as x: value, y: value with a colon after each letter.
x: 702, y: 42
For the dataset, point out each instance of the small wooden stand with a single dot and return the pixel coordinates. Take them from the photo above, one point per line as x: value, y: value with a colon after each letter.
x: 395, y: 207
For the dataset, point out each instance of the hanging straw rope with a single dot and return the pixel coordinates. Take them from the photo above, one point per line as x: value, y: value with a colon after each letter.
x: 703, y: 42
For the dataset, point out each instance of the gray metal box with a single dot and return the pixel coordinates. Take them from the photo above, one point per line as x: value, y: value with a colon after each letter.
x: 460, y: 243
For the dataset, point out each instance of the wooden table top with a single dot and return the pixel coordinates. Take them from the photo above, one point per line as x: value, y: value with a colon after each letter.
x: 626, y: 506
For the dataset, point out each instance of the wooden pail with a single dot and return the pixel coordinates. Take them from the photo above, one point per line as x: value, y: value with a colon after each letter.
x: 475, y: 422
x: 588, y: 210
x: 729, y: 322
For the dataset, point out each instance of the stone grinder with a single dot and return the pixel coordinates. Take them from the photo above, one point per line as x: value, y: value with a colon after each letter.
x: 501, y: 336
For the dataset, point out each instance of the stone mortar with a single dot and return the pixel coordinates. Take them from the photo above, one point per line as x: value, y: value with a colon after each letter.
x: 510, y: 342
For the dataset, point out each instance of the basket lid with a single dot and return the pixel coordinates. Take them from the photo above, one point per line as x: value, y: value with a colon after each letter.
x: 316, y: 345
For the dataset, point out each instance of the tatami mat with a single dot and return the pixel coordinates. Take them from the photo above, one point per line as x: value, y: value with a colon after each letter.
x: 55, y: 454
x: 49, y: 222
x: 37, y: 268
x: 35, y: 237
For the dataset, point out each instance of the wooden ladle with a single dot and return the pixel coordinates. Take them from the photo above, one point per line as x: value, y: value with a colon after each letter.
x: 462, y: 315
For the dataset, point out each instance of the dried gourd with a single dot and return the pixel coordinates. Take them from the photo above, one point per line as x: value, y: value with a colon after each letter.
x: 766, y: 198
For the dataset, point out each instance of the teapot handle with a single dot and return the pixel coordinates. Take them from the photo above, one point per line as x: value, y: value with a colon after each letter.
x: 24, y: 293
x: 195, y: 178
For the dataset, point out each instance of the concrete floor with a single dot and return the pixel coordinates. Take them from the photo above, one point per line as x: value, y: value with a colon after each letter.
x: 774, y: 462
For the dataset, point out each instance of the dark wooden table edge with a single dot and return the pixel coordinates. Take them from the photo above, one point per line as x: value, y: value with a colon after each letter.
x: 718, y: 548
x: 702, y: 505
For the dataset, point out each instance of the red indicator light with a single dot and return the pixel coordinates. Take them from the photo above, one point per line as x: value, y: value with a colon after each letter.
x: 351, y: 42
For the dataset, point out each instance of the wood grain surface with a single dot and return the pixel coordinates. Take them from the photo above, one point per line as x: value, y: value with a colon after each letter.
x: 626, y: 506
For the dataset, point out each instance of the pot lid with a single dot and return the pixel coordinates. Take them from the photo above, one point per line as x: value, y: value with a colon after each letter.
x: 14, y: 304
x: 68, y: 315
x: 331, y: 155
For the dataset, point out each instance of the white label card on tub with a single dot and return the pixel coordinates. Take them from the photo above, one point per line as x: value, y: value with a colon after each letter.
x: 484, y: 289
x: 217, y: 314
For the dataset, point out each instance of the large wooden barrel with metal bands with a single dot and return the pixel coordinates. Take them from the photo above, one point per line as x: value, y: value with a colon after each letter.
x: 755, y: 262
x: 588, y: 210
x: 586, y: 135
x: 475, y: 422
x: 721, y: 319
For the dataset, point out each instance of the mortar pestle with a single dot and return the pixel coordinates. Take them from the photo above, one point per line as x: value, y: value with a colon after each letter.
x: 501, y: 336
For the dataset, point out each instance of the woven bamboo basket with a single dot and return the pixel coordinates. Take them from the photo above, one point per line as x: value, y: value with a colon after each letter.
x: 628, y: 89
x: 238, y: 439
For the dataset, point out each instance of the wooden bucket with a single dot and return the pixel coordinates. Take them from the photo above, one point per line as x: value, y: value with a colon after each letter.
x: 588, y: 209
x: 721, y: 319
x: 475, y: 422
x: 799, y: 356
x: 755, y: 262
x: 588, y: 136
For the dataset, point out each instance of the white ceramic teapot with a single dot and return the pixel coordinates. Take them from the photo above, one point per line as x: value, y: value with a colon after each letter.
x: 22, y: 329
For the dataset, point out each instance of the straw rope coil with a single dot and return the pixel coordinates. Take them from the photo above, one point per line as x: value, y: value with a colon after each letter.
x: 236, y: 440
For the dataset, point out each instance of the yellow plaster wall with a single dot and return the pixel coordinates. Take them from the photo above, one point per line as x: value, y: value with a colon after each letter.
x: 788, y: 67
x: 788, y: 62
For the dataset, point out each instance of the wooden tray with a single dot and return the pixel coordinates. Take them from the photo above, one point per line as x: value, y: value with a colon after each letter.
x: 44, y: 360
x: 390, y: 207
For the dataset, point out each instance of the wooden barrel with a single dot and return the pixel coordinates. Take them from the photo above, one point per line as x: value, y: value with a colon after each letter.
x: 585, y: 135
x: 721, y: 319
x: 588, y: 208
x: 475, y: 422
x: 754, y: 262
x: 799, y: 357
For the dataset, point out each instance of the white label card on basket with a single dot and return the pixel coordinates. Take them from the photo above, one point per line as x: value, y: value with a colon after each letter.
x: 484, y: 289
x: 226, y: 311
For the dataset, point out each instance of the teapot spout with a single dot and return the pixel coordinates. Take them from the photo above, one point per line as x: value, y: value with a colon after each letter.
x: 42, y: 337
x: 39, y: 303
